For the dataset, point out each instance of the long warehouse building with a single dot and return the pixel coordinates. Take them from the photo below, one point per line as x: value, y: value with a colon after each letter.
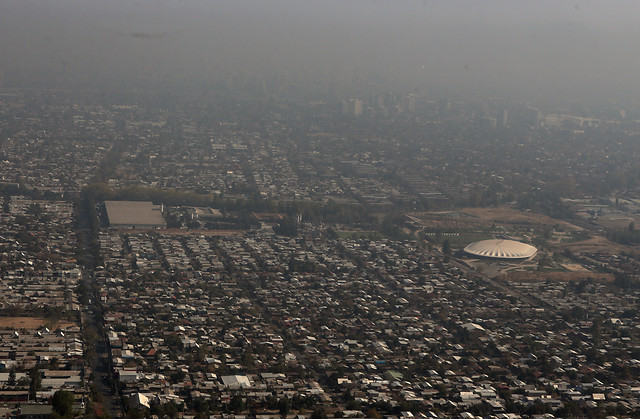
x: 135, y: 215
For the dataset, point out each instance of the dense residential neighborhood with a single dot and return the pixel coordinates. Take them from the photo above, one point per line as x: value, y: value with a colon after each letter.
x: 289, y: 260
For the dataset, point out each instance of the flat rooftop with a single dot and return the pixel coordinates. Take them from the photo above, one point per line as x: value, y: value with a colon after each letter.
x: 134, y: 214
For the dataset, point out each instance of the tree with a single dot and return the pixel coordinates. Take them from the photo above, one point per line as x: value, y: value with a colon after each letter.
x: 236, y: 404
x: 288, y: 226
x: 446, y: 249
x: 284, y: 406
x: 319, y: 413
x: 134, y: 414
x: 544, y: 260
x: 62, y: 403
x: 12, y: 378
x: 35, y: 209
x: 36, y: 381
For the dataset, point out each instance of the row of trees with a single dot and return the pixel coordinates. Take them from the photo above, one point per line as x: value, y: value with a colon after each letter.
x: 330, y: 212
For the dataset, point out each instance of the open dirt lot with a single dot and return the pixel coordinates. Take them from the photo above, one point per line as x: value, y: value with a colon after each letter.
x: 554, y: 276
x: 511, y: 216
x: 485, y: 217
x: 30, y: 323
x: 599, y: 244
x: 618, y: 221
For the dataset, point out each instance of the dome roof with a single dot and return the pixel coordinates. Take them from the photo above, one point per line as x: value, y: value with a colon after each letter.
x: 501, y: 249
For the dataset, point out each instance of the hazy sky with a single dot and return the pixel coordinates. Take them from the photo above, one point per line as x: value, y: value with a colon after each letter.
x: 578, y: 49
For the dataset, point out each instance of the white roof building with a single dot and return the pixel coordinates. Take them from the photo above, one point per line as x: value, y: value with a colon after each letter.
x: 236, y: 381
x: 134, y: 214
x: 501, y: 249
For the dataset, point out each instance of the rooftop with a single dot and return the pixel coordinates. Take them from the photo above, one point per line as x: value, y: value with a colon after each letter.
x: 134, y: 213
x: 501, y: 249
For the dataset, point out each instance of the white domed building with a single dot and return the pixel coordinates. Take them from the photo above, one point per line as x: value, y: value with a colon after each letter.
x: 501, y: 249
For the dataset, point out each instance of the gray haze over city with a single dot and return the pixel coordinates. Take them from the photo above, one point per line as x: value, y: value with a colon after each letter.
x: 296, y: 209
x: 537, y: 49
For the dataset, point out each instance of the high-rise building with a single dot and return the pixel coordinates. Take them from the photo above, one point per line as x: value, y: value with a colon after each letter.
x: 377, y: 99
x: 503, y: 118
x: 409, y: 103
x: 352, y: 107
x: 488, y: 122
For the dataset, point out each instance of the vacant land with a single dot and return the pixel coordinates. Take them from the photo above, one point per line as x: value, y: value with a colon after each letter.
x: 598, y: 244
x: 485, y: 218
x: 574, y: 267
x: 618, y: 221
x: 555, y: 276
x: 515, y: 217
x: 31, y: 323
